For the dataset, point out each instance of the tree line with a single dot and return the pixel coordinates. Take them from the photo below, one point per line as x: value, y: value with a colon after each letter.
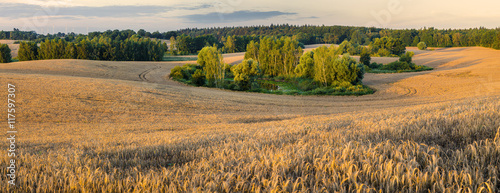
x: 235, y: 39
x: 308, y: 34
x: 134, y: 48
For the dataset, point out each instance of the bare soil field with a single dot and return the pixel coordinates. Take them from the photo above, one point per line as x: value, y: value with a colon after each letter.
x: 124, y: 126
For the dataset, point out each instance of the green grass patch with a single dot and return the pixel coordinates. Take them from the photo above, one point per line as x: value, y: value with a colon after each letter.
x: 395, y: 67
x: 179, y: 58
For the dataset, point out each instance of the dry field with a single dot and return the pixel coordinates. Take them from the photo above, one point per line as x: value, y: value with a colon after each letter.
x: 100, y: 126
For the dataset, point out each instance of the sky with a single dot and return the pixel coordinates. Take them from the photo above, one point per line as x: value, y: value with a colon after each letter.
x: 82, y: 16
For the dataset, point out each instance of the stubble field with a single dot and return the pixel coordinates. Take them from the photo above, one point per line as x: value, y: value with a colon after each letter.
x: 99, y: 126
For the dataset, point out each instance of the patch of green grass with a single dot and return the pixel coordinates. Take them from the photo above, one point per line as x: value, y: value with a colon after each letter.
x: 179, y: 58
x: 418, y: 68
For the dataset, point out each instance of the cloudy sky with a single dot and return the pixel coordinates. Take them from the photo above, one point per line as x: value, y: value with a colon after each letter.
x: 81, y: 16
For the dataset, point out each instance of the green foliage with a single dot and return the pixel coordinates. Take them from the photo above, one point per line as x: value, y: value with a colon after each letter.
x: 387, y: 46
x: 346, y: 69
x: 176, y: 73
x: 5, y: 56
x: 252, y: 51
x: 305, y: 69
x: 229, y: 45
x: 407, y: 57
x: 27, y: 51
x: 399, y: 66
x: 198, y: 78
x: 365, y: 57
x: 210, y: 59
x: 99, y: 48
x: 245, y: 73
x: 329, y: 67
x: 276, y: 56
x: 422, y: 46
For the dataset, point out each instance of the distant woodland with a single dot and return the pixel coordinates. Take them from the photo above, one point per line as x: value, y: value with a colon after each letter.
x: 236, y: 39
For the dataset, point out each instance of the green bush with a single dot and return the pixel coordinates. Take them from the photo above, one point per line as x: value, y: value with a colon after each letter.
x: 198, y: 77
x: 374, y: 65
x: 5, y: 56
x: 176, y: 73
x: 399, y: 66
x: 407, y: 57
x: 422, y: 46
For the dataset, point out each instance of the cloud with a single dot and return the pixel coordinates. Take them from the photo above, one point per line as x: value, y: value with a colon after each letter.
x: 237, y: 16
x: 18, y: 10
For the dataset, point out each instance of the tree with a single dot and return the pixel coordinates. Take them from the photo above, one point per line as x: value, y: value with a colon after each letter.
x: 422, y: 46
x: 173, y: 48
x: 252, y: 51
x: 365, y: 57
x: 323, y: 60
x: 305, y: 69
x: 210, y: 59
x: 27, y: 51
x: 245, y: 73
x: 345, y: 69
x: 229, y: 45
x: 141, y: 33
x: 344, y: 47
x: 396, y: 46
x: 5, y: 56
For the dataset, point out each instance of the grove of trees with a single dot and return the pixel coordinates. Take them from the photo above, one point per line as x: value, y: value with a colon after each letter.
x: 322, y: 70
x: 134, y: 48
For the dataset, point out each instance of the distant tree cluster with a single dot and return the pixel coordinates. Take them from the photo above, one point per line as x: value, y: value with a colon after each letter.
x: 387, y: 46
x: 134, y: 48
x: 16, y: 34
x: 404, y: 64
x: 183, y: 44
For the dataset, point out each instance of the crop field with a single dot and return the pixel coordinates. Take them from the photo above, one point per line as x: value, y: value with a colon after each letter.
x: 107, y: 126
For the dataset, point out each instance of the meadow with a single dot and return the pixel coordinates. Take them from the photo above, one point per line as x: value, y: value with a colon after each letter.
x: 107, y: 126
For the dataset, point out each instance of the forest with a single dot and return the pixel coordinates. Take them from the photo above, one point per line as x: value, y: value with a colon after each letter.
x: 235, y: 39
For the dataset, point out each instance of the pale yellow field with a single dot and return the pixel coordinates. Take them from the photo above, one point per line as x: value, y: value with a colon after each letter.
x: 100, y: 126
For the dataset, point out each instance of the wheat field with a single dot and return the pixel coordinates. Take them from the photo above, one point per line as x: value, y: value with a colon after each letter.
x: 99, y: 126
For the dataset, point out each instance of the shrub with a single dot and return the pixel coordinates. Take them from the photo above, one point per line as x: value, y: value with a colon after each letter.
x: 374, y: 65
x: 198, y: 78
x: 422, y: 46
x: 5, y: 56
x: 398, y: 66
x: 176, y: 73
x: 406, y: 57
